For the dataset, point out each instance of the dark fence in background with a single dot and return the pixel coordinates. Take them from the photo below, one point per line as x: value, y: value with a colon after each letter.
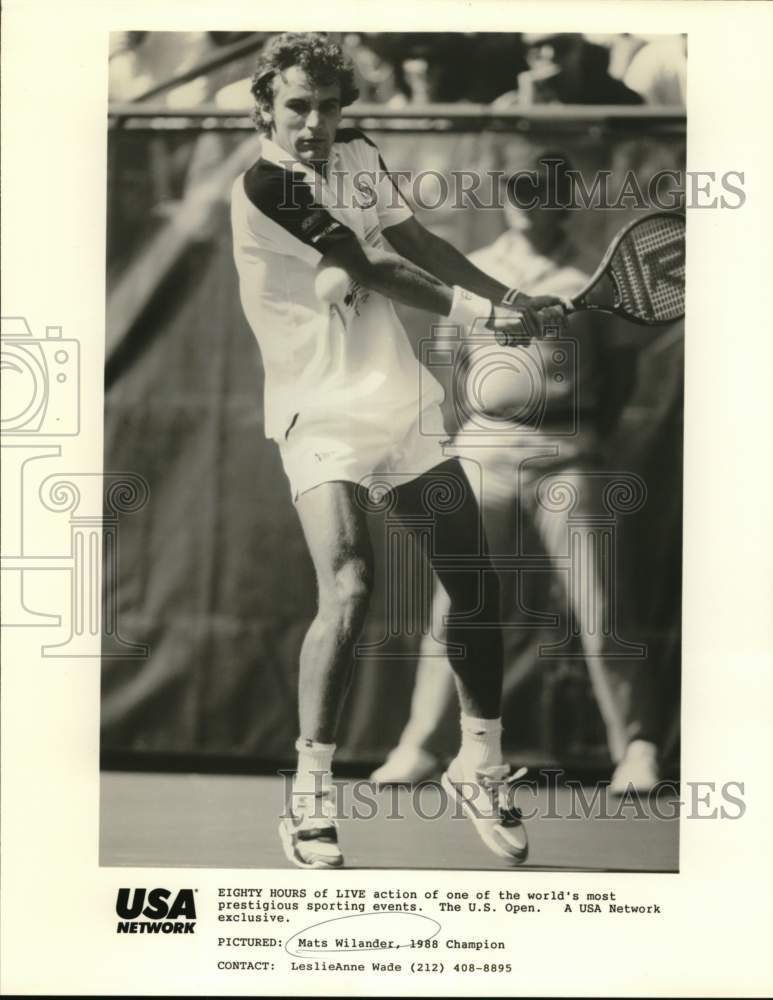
x: 213, y: 575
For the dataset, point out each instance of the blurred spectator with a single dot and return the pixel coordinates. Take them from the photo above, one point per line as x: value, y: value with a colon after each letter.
x: 505, y: 468
x: 622, y: 48
x: 395, y: 68
x: 474, y: 66
x: 566, y: 69
x: 141, y: 60
x: 498, y: 59
x: 422, y: 63
x: 659, y: 71
x: 376, y: 77
x: 127, y: 76
x: 447, y: 67
x: 420, y: 79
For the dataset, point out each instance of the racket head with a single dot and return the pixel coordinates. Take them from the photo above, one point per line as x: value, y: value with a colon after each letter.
x: 642, y: 275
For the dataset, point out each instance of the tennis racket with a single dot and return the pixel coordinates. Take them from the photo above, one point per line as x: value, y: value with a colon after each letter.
x: 641, y: 276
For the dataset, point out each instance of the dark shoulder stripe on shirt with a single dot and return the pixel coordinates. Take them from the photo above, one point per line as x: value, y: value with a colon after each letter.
x: 270, y: 186
x: 288, y: 199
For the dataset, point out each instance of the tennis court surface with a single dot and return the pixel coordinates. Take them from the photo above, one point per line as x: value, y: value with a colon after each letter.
x: 230, y: 821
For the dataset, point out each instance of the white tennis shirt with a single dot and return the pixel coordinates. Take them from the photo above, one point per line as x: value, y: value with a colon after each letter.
x: 352, y: 361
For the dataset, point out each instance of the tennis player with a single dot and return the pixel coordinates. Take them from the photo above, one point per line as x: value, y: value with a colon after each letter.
x: 323, y: 244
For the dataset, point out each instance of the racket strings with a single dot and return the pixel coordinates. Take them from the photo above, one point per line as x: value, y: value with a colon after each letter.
x: 649, y: 270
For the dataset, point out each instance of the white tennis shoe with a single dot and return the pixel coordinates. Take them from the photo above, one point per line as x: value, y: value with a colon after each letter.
x: 489, y: 802
x: 309, y: 834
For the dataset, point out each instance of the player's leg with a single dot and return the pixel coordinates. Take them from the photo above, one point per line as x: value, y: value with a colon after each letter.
x: 336, y: 533
x: 477, y: 778
x: 621, y: 686
x: 460, y: 559
x: 434, y: 694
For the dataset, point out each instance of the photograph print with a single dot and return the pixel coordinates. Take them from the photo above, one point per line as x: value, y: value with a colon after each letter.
x: 394, y: 379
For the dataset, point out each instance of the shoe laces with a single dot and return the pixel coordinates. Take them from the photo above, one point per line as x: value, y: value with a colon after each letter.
x: 317, y: 809
x: 498, y: 781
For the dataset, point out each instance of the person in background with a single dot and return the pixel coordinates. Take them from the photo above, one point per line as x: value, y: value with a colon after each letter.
x: 450, y: 67
x: 659, y: 71
x: 622, y: 47
x: 376, y: 77
x: 565, y: 68
x: 535, y: 253
x: 141, y: 60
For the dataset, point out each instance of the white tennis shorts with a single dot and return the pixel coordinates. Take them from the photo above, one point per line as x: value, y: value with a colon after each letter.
x: 342, y: 449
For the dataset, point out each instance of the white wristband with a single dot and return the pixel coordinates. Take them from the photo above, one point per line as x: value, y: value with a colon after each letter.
x: 466, y: 307
x: 508, y: 299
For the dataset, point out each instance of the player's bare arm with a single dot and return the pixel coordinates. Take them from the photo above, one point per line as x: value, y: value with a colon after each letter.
x: 433, y: 287
x: 386, y: 273
x: 416, y: 243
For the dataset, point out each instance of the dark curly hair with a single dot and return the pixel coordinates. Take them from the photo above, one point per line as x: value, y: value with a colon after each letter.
x: 321, y: 60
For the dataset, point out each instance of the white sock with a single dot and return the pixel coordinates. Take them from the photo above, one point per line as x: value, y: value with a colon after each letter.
x: 315, y: 763
x: 481, y: 744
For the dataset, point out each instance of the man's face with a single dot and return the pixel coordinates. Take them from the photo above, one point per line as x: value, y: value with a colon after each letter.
x: 305, y: 115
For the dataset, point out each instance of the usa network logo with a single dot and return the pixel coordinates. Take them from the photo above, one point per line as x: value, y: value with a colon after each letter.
x: 163, y: 912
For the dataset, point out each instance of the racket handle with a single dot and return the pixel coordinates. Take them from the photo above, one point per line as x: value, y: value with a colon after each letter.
x: 514, y: 340
x: 505, y: 339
